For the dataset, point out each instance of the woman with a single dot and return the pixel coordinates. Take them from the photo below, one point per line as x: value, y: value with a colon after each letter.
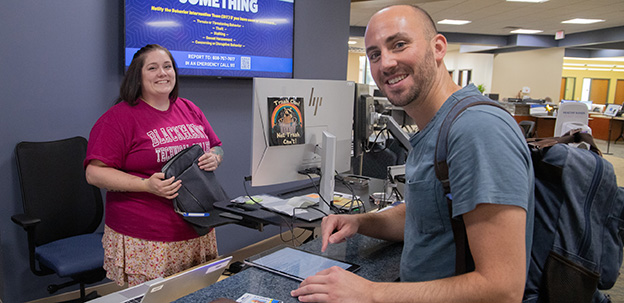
x: 143, y: 237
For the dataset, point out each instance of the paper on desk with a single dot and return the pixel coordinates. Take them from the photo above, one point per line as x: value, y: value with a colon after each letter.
x: 340, y: 199
x: 251, y: 298
x: 280, y: 205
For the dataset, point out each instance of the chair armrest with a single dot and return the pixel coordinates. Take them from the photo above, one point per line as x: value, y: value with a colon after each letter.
x: 25, y: 221
x: 28, y: 223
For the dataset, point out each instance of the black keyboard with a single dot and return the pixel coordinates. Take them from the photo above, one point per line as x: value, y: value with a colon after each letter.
x: 134, y: 300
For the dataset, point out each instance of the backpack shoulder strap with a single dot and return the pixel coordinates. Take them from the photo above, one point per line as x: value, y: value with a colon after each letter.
x: 441, y: 151
x: 463, y: 257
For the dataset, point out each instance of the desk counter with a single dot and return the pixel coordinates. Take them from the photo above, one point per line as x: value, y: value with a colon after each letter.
x: 379, y: 261
x: 606, y: 127
x: 258, y: 218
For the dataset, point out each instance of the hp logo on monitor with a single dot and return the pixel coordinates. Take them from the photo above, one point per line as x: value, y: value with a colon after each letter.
x: 315, y: 101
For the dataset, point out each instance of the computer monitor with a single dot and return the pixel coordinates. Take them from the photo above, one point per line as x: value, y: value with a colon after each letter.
x: 493, y: 96
x: 364, y: 107
x: 288, y: 110
x: 588, y: 103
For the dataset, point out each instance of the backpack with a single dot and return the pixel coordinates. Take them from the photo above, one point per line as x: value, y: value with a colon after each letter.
x: 579, y: 221
x: 199, y: 191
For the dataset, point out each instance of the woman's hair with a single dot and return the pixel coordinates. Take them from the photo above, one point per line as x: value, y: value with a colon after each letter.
x: 131, y: 89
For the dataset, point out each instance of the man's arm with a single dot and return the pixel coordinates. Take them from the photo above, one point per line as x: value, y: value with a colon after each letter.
x: 497, y: 242
x: 387, y: 225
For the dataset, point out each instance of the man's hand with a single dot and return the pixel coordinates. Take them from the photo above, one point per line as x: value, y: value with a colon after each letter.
x: 338, y: 228
x: 334, y: 285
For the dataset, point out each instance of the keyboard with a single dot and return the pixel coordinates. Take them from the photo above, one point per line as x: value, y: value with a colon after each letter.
x: 134, y: 300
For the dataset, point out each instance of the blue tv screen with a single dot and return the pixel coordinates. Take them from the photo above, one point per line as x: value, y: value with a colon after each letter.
x: 218, y: 38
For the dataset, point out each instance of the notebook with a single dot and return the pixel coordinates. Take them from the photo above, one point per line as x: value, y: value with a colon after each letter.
x: 170, y: 288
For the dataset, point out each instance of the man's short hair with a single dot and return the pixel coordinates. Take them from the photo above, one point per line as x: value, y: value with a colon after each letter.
x: 432, y: 30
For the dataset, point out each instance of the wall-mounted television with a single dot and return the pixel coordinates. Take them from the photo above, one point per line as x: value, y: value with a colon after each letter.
x: 218, y: 38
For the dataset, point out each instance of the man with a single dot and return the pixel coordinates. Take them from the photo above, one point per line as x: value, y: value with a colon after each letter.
x: 490, y: 175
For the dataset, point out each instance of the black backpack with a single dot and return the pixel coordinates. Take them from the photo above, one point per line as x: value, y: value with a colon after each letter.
x: 579, y: 221
x: 199, y: 191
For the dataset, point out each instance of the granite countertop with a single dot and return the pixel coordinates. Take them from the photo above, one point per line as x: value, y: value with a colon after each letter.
x: 379, y: 261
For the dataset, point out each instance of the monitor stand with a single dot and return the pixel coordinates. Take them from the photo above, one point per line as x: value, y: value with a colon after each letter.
x: 328, y: 166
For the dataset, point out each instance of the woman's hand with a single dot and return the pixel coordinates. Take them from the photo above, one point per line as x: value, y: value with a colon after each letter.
x: 166, y: 188
x: 209, y: 161
x: 112, y: 179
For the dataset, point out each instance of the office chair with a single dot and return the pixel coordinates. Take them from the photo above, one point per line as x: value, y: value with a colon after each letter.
x: 61, y: 212
x: 528, y: 127
x: 375, y: 163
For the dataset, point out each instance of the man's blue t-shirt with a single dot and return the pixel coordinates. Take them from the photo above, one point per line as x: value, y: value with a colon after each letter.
x: 489, y: 162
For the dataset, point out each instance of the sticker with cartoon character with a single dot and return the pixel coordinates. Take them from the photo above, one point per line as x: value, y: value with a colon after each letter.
x: 287, y: 123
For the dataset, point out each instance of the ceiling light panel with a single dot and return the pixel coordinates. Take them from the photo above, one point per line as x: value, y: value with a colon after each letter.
x: 526, y: 31
x: 600, y: 65
x: 454, y: 22
x: 582, y: 21
x: 528, y: 1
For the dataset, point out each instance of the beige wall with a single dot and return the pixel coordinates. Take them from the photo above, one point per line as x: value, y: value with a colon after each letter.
x: 540, y: 70
x: 353, y: 67
x: 480, y: 64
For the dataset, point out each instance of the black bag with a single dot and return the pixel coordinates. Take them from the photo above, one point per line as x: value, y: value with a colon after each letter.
x: 579, y: 217
x: 200, y: 189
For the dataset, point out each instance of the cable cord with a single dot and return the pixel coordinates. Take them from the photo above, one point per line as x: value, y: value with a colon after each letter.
x: 371, y: 145
x: 353, y: 195
x: 318, y: 191
x: 290, y: 224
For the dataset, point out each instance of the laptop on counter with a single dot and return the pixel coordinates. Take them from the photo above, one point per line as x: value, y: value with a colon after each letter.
x: 170, y: 288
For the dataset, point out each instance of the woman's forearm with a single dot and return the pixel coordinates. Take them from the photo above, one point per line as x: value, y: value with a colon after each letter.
x: 112, y: 179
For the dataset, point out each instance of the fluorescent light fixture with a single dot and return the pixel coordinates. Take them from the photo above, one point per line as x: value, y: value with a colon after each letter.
x: 582, y: 21
x: 526, y: 31
x: 600, y: 69
x: 574, y: 68
x: 619, y: 66
x: 574, y: 64
x: 352, y: 42
x: 454, y: 22
x: 617, y: 59
x: 618, y: 70
x: 600, y: 65
x: 528, y: 1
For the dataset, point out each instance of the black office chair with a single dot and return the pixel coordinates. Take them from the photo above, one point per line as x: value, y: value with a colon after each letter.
x: 375, y: 162
x: 61, y: 212
x: 528, y: 127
